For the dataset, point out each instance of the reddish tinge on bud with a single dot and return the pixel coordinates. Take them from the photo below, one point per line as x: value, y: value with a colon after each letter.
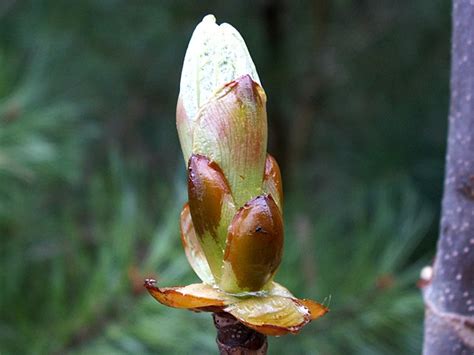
x: 272, y: 183
x: 231, y: 129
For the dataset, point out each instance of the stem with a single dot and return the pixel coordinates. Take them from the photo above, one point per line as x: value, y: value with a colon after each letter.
x: 234, y: 338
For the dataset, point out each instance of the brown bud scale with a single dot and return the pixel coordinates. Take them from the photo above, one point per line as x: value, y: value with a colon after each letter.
x: 207, y: 188
x: 255, y: 243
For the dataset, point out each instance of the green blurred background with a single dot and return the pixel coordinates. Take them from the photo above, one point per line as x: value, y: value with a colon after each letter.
x: 92, y: 179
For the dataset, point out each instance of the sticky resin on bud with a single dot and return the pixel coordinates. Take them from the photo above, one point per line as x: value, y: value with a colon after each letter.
x: 254, y: 246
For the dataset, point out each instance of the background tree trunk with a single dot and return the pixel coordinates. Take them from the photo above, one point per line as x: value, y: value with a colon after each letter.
x: 449, y: 294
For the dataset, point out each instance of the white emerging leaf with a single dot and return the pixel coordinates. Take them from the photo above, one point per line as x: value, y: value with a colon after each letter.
x: 216, y: 55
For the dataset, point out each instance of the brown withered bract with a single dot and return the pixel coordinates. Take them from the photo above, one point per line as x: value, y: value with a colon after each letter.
x: 276, y: 313
x: 194, y: 296
x: 255, y: 243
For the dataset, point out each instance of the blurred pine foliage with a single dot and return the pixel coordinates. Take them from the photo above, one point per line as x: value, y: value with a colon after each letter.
x: 92, y: 180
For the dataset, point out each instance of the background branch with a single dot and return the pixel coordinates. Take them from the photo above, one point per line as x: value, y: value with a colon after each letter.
x: 449, y: 297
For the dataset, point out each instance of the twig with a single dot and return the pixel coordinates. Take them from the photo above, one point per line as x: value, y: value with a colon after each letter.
x: 234, y: 338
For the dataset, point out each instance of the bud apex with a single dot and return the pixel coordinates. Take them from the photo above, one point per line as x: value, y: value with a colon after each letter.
x: 216, y: 55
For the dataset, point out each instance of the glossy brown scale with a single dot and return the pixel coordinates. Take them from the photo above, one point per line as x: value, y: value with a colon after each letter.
x: 207, y: 188
x: 255, y: 243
